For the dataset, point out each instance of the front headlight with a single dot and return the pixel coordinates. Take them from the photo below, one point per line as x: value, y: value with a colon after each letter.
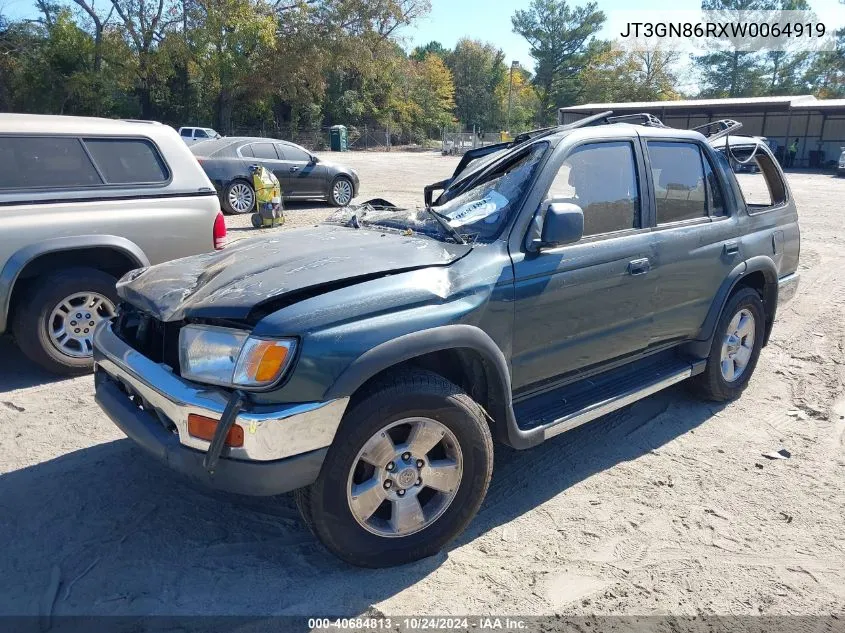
x: 231, y: 358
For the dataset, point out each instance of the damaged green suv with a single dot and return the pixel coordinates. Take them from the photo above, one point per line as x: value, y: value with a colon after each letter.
x: 369, y: 363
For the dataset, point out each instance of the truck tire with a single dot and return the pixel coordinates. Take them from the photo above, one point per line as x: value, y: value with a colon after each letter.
x: 54, y: 323
x: 735, y: 349
x: 407, y: 471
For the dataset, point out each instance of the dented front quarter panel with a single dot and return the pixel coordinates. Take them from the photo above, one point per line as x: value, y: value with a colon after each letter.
x: 336, y: 328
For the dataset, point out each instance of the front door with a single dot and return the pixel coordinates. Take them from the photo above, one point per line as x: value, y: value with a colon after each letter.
x: 305, y: 177
x: 582, y: 304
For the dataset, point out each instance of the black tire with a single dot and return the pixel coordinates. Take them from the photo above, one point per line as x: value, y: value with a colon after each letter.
x: 324, y: 505
x: 332, y: 199
x: 224, y: 200
x: 711, y: 384
x: 31, y: 315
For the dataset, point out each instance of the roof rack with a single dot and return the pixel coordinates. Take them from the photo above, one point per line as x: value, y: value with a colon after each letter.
x: 723, y: 127
x: 642, y: 118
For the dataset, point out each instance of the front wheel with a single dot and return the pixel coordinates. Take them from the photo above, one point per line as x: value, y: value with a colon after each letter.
x: 407, y: 472
x: 341, y: 192
x: 735, y: 349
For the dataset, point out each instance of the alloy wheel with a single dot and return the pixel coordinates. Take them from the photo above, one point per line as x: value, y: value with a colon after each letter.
x: 738, y: 345
x: 405, y: 477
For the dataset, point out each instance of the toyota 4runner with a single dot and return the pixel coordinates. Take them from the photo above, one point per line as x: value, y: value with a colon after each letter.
x: 369, y: 363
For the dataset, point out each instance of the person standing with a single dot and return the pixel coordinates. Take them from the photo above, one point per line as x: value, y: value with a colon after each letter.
x: 790, y: 154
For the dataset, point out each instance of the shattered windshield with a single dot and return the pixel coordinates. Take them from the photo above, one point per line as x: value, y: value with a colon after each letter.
x: 478, y: 214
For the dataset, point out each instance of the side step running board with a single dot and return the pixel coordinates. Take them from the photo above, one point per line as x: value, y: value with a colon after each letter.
x: 619, y: 400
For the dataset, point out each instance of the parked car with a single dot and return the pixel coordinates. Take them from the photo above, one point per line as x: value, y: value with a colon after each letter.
x: 370, y: 362
x: 83, y: 201
x: 840, y: 169
x: 193, y: 135
x: 302, y: 175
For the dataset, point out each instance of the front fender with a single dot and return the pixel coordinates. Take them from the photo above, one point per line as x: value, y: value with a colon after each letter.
x: 19, y: 260
x: 459, y: 336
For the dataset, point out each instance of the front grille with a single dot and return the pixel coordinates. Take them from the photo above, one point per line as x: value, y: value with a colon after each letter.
x: 155, y: 339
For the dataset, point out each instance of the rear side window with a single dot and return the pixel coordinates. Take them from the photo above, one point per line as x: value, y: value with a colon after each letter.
x: 45, y: 162
x: 680, y: 189
x: 186, y: 132
x: 264, y: 150
x: 127, y: 161
x: 759, y: 178
x: 601, y: 178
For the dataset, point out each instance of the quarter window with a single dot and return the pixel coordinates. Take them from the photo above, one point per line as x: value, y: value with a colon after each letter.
x: 127, y: 161
x: 680, y: 189
x: 45, y: 162
x: 601, y: 178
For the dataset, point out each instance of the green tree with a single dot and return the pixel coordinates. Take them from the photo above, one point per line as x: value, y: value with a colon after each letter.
x: 733, y: 73
x: 421, y: 52
x: 477, y: 69
x: 562, y: 40
x: 638, y: 75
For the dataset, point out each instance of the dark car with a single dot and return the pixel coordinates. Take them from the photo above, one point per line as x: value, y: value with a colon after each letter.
x: 370, y: 362
x: 302, y: 175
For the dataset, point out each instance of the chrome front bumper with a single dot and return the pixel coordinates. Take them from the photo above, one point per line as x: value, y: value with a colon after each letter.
x: 270, y: 433
x: 787, y: 288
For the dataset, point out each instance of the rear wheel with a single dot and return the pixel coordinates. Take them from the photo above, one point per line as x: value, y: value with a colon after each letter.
x: 407, y: 471
x: 238, y: 197
x: 54, y: 324
x: 735, y: 349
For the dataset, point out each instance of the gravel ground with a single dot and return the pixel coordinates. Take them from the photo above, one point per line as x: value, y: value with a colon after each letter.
x: 666, y: 507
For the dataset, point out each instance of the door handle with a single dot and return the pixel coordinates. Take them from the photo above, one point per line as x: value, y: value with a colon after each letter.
x: 731, y: 248
x: 639, y: 266
x: 293, y: 169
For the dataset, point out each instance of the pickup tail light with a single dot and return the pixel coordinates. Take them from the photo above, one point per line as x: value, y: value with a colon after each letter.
x: 219, y: 231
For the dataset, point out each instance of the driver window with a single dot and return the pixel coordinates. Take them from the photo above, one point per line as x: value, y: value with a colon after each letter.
x: 601, y: 178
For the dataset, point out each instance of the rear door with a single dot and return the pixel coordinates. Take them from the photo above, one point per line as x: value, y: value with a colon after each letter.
x: 584, y: 304
x: 264, y: 153
x: 696, y: 237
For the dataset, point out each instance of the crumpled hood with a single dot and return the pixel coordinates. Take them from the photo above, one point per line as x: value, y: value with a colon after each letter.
x: 229, y: 284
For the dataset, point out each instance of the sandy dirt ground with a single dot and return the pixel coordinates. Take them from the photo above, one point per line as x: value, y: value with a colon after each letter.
x: 667, y: 507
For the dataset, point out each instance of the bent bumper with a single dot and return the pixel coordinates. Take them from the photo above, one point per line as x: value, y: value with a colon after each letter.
x: 283, y: 448
x: 787, y: 288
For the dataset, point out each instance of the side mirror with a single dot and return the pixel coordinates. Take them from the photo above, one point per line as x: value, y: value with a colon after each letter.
x: 313, y: 159
x: 563, y: 223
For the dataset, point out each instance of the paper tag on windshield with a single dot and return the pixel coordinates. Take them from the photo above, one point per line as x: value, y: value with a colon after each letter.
x: 477, y: 209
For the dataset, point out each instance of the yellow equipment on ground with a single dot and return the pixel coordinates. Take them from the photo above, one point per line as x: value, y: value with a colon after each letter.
x: 269, y: 210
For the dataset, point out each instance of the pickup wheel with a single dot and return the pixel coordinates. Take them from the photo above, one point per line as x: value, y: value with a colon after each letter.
x: 735, y: 349
x: 407, y: 471
x: 54, y: 324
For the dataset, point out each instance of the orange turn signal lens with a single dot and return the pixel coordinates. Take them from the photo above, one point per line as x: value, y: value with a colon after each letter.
x: 262, y: 361
x: 204, y: 428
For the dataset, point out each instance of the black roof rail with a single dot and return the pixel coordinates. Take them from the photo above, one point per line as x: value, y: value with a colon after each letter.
x: 723, y: 128
x: 545, y: 131
x: 641, y: 118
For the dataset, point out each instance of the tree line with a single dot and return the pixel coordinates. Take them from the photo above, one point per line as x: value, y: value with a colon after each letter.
x: 302, y: 64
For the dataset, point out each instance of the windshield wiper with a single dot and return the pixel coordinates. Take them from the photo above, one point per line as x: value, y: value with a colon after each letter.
x: 443, y: 221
